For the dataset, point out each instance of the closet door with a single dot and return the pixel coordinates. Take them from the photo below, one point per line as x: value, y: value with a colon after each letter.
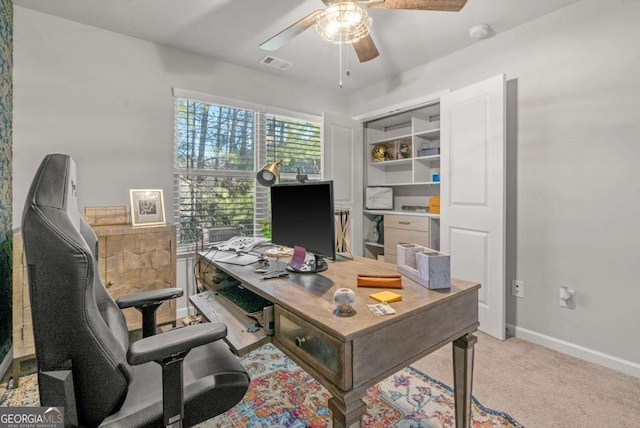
x: 342, y: 163
x: 473, y: 193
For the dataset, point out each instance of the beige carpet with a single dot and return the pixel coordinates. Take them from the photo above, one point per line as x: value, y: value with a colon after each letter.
x: 539, y: 387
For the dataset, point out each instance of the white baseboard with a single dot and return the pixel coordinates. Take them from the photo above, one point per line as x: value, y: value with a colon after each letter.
x: 597, y: 357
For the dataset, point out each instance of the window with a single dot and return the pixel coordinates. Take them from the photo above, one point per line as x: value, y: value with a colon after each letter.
x: 218, y: 150
x: 297, y: 144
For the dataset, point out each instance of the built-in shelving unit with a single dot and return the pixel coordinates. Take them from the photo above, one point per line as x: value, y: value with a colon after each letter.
x: 402, y: 151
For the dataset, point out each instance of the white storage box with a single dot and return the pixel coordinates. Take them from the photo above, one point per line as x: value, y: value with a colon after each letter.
x: 378, y: 198
x: 425, y: 266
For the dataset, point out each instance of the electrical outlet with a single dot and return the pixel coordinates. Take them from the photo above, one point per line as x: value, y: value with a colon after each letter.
x: 517, y: 288
x: 567, y: 298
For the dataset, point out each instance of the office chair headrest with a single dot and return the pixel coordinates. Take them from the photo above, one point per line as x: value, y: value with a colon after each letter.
x: 54, y: 186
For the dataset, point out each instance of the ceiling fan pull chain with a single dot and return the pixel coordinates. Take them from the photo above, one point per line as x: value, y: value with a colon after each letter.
x: 347, y: 71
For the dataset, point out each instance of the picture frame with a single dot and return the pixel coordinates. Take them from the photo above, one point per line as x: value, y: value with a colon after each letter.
x: 147, y: 207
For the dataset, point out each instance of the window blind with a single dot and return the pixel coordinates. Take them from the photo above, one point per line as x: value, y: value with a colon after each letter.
x: 297, y: 143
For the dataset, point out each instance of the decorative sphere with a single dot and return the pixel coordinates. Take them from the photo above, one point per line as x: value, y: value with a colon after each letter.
x: 344, y: 298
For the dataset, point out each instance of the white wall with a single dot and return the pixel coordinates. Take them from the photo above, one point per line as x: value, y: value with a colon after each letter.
x: 578, y: 196
x: 105, y: 99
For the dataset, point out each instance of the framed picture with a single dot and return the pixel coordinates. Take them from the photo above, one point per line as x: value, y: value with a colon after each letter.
x: 147, y: 207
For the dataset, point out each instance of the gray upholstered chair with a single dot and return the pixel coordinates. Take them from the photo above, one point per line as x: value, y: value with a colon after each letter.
x: 85, y: 360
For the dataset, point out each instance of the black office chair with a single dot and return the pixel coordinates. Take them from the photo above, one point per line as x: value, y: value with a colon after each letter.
x: 85, y: 360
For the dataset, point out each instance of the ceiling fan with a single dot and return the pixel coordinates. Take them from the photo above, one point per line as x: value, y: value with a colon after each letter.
x: 344, y: 21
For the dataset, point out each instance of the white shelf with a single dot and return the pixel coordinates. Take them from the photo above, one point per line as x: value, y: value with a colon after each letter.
x: 430, y: 183
x: 413, y: 183
x: 430, y: 134
x: 384, y: 164
x: 427, y: 158
x: 410, y: 213
x: 391, y: 139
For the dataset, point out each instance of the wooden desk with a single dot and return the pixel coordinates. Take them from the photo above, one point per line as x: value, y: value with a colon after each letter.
x: 348, y: 355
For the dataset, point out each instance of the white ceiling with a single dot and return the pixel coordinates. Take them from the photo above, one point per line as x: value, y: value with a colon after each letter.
x: 231, y: 30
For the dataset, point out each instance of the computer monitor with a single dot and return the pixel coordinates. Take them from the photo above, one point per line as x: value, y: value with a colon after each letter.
x: 302, y: 216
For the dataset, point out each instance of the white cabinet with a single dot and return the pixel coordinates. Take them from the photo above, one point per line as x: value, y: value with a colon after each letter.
x: 404, y: 229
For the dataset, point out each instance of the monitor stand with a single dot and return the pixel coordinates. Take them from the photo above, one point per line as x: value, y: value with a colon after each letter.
x: 300, y: 264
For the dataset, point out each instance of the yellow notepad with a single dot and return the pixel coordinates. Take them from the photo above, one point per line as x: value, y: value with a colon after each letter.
x: 386, y: 296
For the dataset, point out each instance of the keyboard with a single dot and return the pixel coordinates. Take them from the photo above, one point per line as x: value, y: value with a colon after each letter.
x: 240, y: 243
x: 245, y: 299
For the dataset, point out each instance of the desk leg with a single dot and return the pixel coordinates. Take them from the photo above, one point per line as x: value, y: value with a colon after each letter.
x: 463, y: 378
x: 347, y: 415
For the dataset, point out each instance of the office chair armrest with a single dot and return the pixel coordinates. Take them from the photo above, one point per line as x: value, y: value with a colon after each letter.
x: 145, y: 298
x: 156, y: 348
x: 169, y: 350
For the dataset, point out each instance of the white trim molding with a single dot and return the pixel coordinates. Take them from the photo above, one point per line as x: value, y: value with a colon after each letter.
x: 618, y: 364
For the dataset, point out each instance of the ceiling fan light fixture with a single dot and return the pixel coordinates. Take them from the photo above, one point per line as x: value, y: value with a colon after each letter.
x: 343, y: 22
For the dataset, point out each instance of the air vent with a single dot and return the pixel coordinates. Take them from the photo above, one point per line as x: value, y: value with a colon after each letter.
x: 280, y: 64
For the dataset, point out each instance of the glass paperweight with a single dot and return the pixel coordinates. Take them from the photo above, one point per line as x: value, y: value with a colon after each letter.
x: 344, y: 298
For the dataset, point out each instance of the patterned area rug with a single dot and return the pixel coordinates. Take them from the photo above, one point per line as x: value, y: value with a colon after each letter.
x: 283, y: 395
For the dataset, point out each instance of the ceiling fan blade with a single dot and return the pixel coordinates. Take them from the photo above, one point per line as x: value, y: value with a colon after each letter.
x: 444, y: 5
x: 366, y: 49
x: 280, y: 39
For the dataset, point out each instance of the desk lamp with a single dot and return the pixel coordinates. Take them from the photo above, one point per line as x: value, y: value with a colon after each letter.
x: 269, y: 174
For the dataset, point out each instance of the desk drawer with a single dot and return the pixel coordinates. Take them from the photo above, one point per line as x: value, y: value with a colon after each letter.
x: 320, y: 351
x: 403, y: 229
x: 406, y: 222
